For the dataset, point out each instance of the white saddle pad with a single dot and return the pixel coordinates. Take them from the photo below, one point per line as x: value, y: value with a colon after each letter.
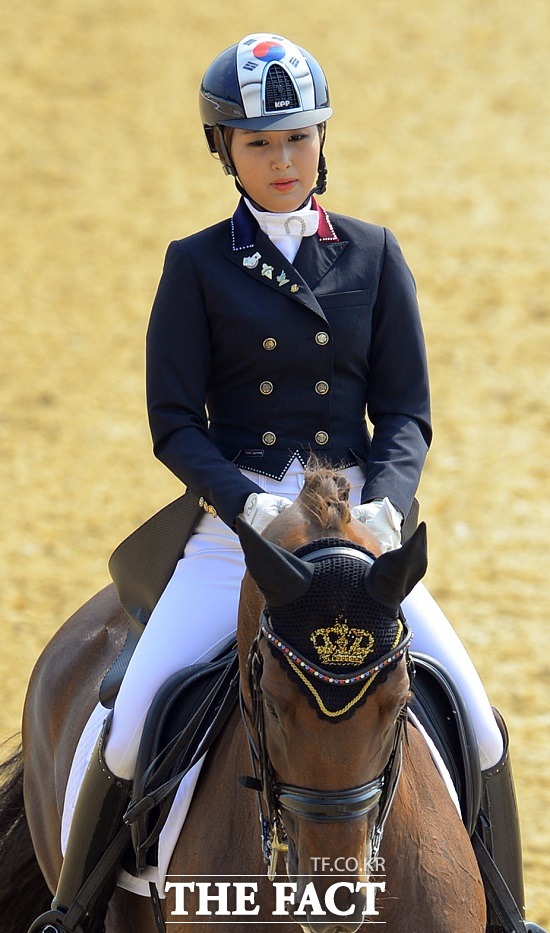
x: 437, y: 760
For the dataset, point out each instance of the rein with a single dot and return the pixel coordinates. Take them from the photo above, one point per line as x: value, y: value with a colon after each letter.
x: 308, y: 803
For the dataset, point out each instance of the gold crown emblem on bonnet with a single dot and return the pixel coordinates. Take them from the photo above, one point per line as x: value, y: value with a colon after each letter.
x: 341, y: 644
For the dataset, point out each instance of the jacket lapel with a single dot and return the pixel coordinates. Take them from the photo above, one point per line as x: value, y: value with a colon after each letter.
x: 315, y: 258
x: 317, y: 254
x: 253, y: 252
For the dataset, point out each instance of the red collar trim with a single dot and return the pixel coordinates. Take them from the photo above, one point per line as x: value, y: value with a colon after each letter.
x: 325, y: 231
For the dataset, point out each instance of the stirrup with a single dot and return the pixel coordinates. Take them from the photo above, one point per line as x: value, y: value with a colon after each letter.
x: 52, y: 922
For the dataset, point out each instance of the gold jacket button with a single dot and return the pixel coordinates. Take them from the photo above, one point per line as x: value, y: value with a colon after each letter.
x: 321, y: 387
x: 321, y: 437
x: 269, y: 438
x: 266, y: 388
x: 269, y: 343
x: 321, y: 338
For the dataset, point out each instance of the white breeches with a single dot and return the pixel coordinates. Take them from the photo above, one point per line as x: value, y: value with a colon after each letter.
x: 199, y: 608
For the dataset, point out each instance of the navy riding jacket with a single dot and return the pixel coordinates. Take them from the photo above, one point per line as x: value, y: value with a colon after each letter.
x: 252, y: 360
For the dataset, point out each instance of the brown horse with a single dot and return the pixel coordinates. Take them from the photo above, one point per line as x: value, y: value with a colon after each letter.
x: 327, y: 731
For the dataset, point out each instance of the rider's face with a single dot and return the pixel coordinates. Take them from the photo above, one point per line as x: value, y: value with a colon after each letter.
x: 277, y: 169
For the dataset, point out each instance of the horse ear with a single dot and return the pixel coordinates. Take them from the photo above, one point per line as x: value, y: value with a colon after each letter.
x: 394, y: 574
x: 281, y: 576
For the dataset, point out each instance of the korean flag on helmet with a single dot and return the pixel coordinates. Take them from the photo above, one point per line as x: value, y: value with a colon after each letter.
x: 274, y: 77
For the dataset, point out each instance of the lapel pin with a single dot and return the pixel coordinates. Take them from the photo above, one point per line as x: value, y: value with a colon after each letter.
x: 282, y: 279
x: 267, y: 270
x: 250, y: 262
x: 294, y: 288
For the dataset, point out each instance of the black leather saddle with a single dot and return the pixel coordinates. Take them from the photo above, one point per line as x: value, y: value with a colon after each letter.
x: 441, y: 710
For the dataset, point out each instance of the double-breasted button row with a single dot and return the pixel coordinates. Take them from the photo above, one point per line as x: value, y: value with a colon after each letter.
x: 321, y: 338
x: 269, y: 438
x: 207, y: 507
x: 321, y: 388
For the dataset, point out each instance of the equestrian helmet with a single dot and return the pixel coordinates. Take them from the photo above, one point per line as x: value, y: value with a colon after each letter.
x: 264, y: 82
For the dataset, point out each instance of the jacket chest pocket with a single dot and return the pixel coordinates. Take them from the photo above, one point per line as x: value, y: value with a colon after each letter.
x: 350, y: 317
x: 361, y: 297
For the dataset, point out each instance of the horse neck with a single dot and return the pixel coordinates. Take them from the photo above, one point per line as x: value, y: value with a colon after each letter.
x: 299, y: 525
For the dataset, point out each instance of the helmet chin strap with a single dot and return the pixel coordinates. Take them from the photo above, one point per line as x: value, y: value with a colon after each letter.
x: 223, y: 152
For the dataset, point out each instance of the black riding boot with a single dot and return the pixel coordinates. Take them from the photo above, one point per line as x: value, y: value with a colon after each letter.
x: 498, y: 826
x: 101, y: 803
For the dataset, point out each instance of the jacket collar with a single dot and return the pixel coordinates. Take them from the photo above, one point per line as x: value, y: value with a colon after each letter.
x: 244, y: 227
x: 254, y: 252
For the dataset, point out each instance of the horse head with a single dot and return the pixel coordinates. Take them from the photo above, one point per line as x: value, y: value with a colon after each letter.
x: 325, y: 685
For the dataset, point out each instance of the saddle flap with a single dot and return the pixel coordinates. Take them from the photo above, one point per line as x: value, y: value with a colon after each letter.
x: 184, y: 719
x: 440, y: 708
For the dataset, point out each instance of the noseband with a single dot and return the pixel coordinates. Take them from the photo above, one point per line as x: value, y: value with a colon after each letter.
x: 320, y: 806
x: 329, y: 805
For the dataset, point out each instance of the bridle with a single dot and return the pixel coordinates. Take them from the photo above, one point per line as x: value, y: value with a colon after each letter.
x: 307, y: 803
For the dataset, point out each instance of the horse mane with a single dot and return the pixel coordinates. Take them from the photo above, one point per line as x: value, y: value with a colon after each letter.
x: 325, y: 496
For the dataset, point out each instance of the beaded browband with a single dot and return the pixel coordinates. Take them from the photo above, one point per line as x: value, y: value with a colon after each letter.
x: 403, y: 640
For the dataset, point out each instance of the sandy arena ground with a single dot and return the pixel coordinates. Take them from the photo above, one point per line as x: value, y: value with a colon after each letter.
x: 441, y: 133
